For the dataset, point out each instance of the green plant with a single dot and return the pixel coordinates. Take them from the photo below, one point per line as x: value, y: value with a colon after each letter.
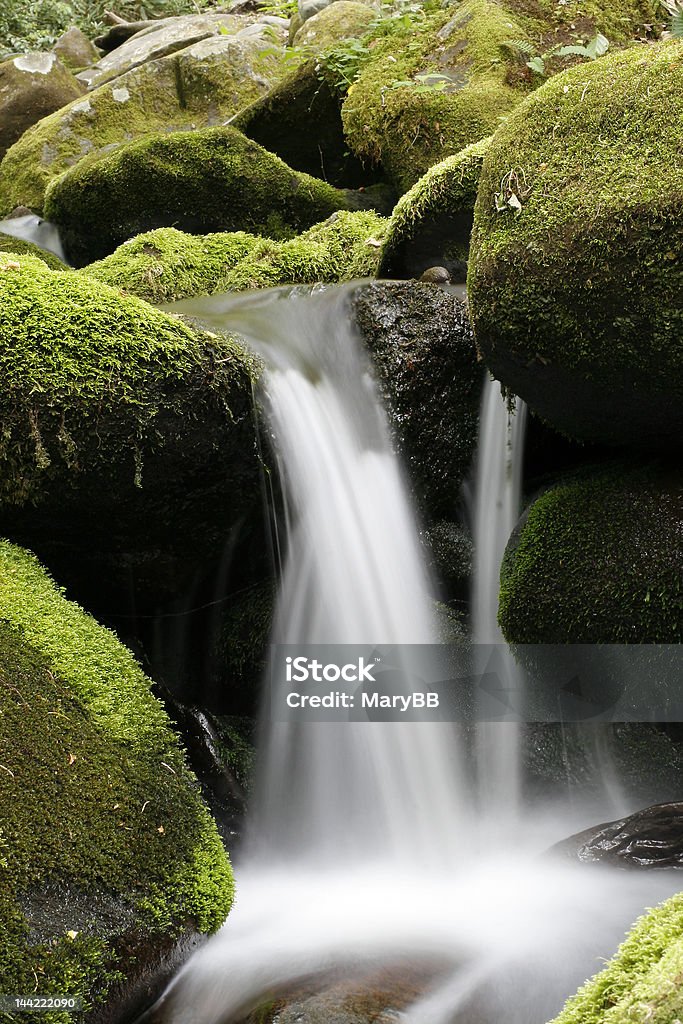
x: 597, y: 47
x: 341, y: 65
x: 675, y: 10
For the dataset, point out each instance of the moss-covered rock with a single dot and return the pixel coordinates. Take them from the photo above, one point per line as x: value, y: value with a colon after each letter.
x: 575, y: 288
x: 421, y: 345
x: 127, y: 453
x: 166, y: 264
x: 598, y: 559
x: 395, y: 116
x: 198, y: 87
x: 108, y: 856
x: 203, y: 181
x: 17, y: 245
x: 432, y: 223
x: 642, y: 981
x: 344, y: 19
x: 300, y: 121
x: 620, y: 20
x: 32, y: 86
x: 75, y: 50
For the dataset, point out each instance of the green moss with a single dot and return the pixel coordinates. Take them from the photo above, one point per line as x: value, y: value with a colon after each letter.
x: 10, y: 244
x: 409, y: 128
x: 166, y: 265
x: 643, y: 981
x: 345, y: 19
x: 202, y: 181
x: 431, y: 223
x: 576, y: 298
x: 104, y: 832
x: 178, y: 92
x: 598, y: 559
x: 619, y: 20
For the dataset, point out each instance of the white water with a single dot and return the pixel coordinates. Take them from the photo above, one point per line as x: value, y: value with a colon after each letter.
x: 364, y: 851
x: 31, y: 228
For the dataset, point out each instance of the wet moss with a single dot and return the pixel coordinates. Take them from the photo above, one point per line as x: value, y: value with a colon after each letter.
x: 431, y: 223
x: 643, y: 980
x: 598, y: 559
x: 575, y: 297
x: 103, y: 833
x: 203, y: 181
x: 167, y: 264
x: 17, y: 245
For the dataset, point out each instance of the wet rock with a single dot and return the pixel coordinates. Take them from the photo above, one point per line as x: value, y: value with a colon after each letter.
x: 75, y: 50
x: 420, y: 340
x: 575, y: 281
x: 436, y: 275
x: 651, y: 838
x: 32, y: 86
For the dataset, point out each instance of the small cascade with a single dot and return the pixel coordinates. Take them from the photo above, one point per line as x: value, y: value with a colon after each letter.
x: 32, y: 228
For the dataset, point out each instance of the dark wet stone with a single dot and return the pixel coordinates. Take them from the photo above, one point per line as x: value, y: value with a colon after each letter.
x: 651, y: 838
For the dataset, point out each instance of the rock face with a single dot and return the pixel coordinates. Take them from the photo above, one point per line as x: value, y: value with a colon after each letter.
x: 128, y: 447
x: 203, y: 181
x: 165, y: 265
x: 421, y: 344
x: 652, y: 838
x: 74, y: 49
x: 111, y: 865
x: 198, y: 87
x: 344, y: 19
x: 598, y: 559
x: 431, y: 224
x: 32, y: 86
x: 575, y: 275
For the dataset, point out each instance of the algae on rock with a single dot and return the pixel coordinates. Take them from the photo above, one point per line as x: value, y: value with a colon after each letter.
x: 109, y: 857
x: 204, y: 181
x: 575, y: 288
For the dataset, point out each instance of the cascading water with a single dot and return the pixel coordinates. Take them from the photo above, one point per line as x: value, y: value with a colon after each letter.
x: 363, y: 849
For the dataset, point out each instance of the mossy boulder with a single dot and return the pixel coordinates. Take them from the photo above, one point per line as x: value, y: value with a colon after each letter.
x: 17, y: 245
x: 32, y: 86
x: 127, y: 455
x: 109, y: 861
x: 620, y: 20
x: 344, y: 19
x: 75, y: 50
x: 199, y: 87
x: 598, y: 559
x: 642, y: 981
x: 431, y: 88
x: 300, y: 121
x: 420, y: 341
x: 575, y: 287
x: 165, y: 265
x: 203, y: 181
x: 432, y: 223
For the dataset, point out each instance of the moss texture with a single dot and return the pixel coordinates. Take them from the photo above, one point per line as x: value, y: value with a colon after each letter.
x: 127, y: 443
x: 576, y: 295
x: 598, y: 559
x: 643, y: 981
x: 204, y: 181
x: 431, y: 224
x: 17, y: 245
x: 103, y: 832
x: 409, y: 127
x: 165, y: 265
x: 619, y: 20
x: 173, y: 93
x: 344, y: 19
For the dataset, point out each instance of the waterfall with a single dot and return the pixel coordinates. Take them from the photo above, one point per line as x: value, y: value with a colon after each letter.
x: 362, y: 853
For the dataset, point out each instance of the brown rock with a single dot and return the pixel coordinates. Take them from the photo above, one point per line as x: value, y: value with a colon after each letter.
x: 31, y: 87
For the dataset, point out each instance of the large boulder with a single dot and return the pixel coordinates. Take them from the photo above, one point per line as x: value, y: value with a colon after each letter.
x: 598, y: 559
x: 203, y: 181
x: 75, y: 50
x: 127, y: 455
x: 111, y: 868
x: 431, y: 224
x: 642, y: 981
x: 344, y: 19
x: 165, y: 265
x: 420, y: 340
x: 199, y: 87
x: 31, y: 87
x: 576, y: 270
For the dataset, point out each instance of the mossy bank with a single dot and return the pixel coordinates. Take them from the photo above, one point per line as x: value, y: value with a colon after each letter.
x: 107, y: 853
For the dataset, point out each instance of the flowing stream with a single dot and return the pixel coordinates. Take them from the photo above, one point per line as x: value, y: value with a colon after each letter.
x: 366, y: 847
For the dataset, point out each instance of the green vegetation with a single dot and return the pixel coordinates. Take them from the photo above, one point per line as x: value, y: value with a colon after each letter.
x: 165, y: 265
x: 643, y: 981
x: 576, y: 272
x: 104, y: 835
x: 17, y: 245
x: 210, y: 180
x: 598, y: 559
